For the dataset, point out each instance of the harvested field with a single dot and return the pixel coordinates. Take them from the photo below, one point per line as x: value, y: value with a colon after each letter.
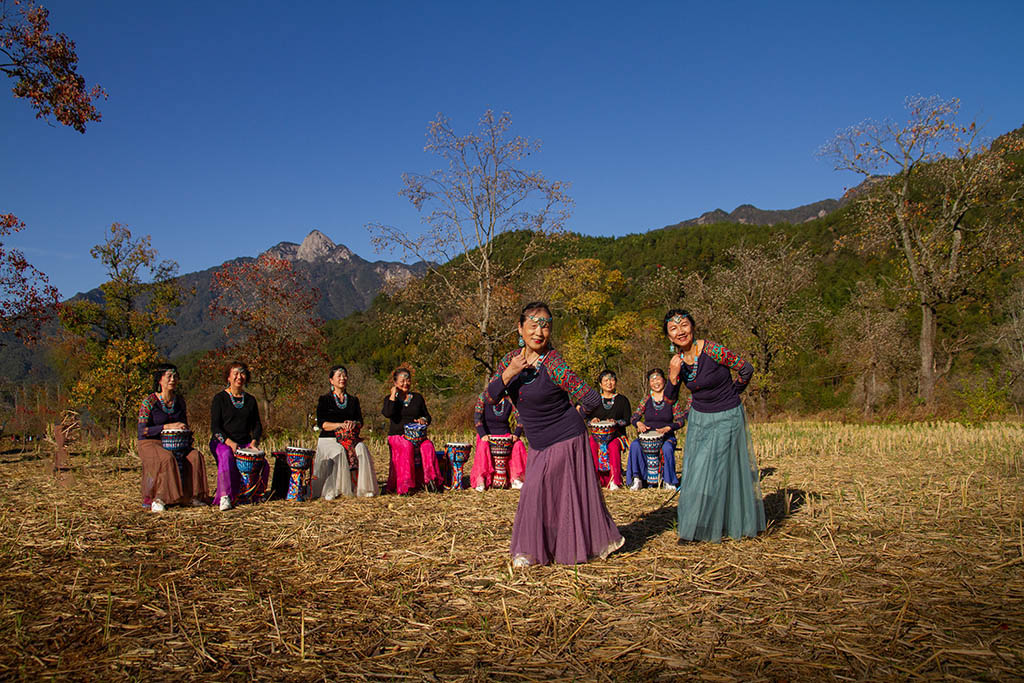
x: 894, y: 552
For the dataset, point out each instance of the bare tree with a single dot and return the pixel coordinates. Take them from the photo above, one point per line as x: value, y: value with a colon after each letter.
x: 946, y: 207
x: 480, y: 193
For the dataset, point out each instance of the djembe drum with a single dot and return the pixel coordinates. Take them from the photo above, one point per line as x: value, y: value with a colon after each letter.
x: 179, y: 443
x: 249, y: 462
x: 650, y: 445
x: 603, y: 432
x: 416, y: 434
x: 348, y: 438
x: 300, y: 462
x: 501, y: 453
x: 457, y: 453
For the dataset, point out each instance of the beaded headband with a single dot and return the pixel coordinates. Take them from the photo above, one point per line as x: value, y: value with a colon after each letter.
x: 677, y: 319
x: 541, y: 320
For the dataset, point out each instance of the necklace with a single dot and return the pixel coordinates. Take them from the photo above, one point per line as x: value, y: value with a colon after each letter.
x: 407, y: 400
x: 533, y: 372
x: 341, y: 404
x: 658, y: 405
x: 167, y: 408
x: 608, y: 403
x: 691, y: 373
x: 499, y: 408
x: 237, y: 402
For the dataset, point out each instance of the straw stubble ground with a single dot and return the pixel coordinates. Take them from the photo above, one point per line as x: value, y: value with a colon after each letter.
x: 892, y: 553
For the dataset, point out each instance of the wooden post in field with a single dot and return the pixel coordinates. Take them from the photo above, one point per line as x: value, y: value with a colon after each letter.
x: 63, y: 434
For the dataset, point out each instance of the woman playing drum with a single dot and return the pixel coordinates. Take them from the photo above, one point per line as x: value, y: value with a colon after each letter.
x: 235, y: 423
x: 493, y: 419
x: 660, y: 414
x: 614, y: 407
x: 337, y: 411
x: 561, y: 515
x: 168, y: 477
x: 402, y: 407
x: 720, y: 493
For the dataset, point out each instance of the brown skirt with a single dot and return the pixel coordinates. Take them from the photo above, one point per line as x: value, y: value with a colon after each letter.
x: 160, y: 477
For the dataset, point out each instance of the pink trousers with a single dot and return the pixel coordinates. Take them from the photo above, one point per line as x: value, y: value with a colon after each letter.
x: 613, y: 476
x: 483, y: 464
x: 402, y: 474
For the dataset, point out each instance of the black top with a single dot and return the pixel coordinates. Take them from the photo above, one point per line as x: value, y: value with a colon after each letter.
x: 400, y: 414
x: 327, y: 410
x: 620, y: 411
x: 241, y: 425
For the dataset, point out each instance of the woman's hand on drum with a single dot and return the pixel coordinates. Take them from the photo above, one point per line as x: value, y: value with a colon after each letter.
x: 486, y: 437
x: 231, y: 444
x: 421, y: 420
x: 663, y: 430
x: 641, y: 428
x: 174, y: 425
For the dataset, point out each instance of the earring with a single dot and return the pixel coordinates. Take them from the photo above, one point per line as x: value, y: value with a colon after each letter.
x: 521, y: 343
x: 672, y: 348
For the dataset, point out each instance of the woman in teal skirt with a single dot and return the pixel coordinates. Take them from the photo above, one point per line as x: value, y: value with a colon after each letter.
x: 720, y: 494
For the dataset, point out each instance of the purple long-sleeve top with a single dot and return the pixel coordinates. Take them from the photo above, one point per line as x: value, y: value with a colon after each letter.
x: 488, y: 420
x: 665, y: 413
x: 153, y: 415
x: 713, y: 389
x: 542, y: 395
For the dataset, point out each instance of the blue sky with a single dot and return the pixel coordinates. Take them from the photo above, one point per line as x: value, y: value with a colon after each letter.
x: 232, y: 126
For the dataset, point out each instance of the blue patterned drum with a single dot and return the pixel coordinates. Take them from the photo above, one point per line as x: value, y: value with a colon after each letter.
x: 650, y: 444
x: 603, y: 432
x: 457, y: 453
x: 176, y: 439
x: 300, y: 462
x: 415, y: 432
x: 250, y: 463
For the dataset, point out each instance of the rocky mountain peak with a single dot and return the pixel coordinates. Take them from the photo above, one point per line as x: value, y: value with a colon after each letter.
x: 316, y: 247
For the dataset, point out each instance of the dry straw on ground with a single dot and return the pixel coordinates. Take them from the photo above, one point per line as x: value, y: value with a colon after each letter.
x: 893, y: 553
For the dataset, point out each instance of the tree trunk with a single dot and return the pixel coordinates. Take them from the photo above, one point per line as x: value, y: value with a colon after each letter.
x: 926, y: 381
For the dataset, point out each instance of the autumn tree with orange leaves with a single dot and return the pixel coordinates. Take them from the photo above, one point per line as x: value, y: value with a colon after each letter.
x: 271, y: 326
x: 26, y: 296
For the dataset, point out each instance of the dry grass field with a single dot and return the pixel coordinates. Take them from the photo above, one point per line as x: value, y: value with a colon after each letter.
x: 893, y: 552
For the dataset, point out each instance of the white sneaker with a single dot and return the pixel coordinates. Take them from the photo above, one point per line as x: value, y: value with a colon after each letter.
x: 520, y: 562
x: 612, y: 486
x: 225, y: 503
x: 516, y: 484
x: 636, y: 484
x: 669, y: 487
x: 330, y: 497
x: 480, y: 488
x: 196, y: 503
x: 157, y: 505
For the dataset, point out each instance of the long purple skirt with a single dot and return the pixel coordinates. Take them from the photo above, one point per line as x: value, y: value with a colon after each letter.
x: 562, y: 517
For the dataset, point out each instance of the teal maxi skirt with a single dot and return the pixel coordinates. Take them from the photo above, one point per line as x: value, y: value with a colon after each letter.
x: 720, y: 492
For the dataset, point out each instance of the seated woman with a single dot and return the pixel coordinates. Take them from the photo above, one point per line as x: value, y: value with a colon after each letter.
x: 403, y: 406
x: 235, y: 423
x: 661, y: 415
x: 168, y: 477
x: 493, y: 419
x: 615, y: 407
x: 337, y: 411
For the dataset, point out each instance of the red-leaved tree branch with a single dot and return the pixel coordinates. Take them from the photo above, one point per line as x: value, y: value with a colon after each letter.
x: 27, y: 299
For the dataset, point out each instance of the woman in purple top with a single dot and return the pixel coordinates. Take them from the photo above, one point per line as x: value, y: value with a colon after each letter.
x: 561, y: 516
x: 401, y: 407
x: 167, y: 477
x: 663, y: 415
x: 494, y: 419
x: 720, y: 493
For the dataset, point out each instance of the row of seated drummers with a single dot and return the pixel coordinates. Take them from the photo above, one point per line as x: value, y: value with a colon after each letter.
x: 173, y: 472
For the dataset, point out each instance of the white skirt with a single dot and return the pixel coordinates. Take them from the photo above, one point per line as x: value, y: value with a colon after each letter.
x: 331, y: 476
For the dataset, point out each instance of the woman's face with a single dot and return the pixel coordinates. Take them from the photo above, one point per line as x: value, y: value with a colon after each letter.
x: 536, y: 331
x: 657, y: 382
x: 403, y: 381
x: 680, y: 332
x: 169, y: 381
x: 339, y: 380
x: 237, y: 378
x: 608, y: 383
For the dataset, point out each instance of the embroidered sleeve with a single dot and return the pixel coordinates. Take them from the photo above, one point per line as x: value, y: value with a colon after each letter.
x: 679, y: 413
x: 496, y: 389
x: 638, y: 414
x: 622, y: 411
x: 723, y: 356
x: 514, y: 419
x: 563, y: 376
x: 145, y: 415
x: 478, y: 415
